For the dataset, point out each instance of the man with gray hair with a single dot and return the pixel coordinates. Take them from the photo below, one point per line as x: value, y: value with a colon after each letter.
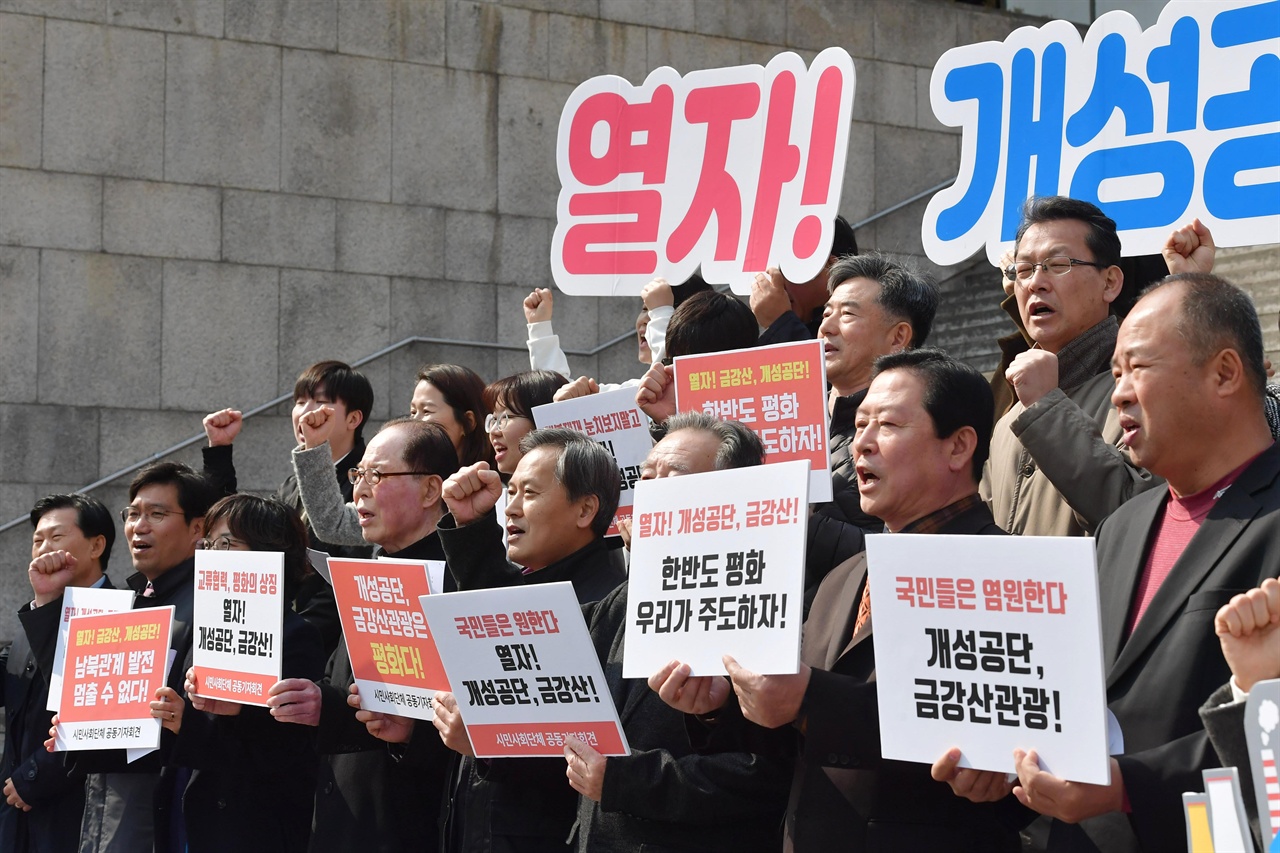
x: 560, y: 501
x: 876, y: 306
x: 663, y: 795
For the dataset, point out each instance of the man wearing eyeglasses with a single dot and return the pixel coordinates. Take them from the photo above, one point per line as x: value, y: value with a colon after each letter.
x: 125, y: 801
x: 1057, y: 467
x: 366, y: 799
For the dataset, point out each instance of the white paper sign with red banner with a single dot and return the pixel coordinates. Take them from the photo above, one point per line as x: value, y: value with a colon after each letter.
x: 81, y: 601
x: 393, y: 653
x: 779, y: 391
x: 717, y: 567
x: 524, y: 671
x: 731, y: 169
x: 990, y: 644
x: 615, y: 421
x: 115, y: 663
x: 1154, y: 127
x: 239, y: 622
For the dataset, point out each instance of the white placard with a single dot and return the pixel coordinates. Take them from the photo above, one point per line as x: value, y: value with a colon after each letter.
x: 435, y: 570
x: 524, y: 670
x: 990, y: 644
x: 81, y: 601
x: 238, y: 620
x: 613, y: 420
x: 717, y: 567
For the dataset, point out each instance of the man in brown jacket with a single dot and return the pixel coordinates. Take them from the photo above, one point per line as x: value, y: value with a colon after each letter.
x: 1057, y: 467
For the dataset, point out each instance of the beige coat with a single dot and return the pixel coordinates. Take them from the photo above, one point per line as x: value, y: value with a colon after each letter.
x: 1058, y: 468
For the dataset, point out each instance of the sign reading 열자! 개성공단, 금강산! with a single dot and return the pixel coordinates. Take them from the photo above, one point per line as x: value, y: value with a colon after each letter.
x: 731, y: 170
x: 393, y: 653
x: 115, y: 663
x: 717, y: 567
x: 989, y: 644
x: 525, y: 671
x: 1156, y: 127
x: 613, y: 420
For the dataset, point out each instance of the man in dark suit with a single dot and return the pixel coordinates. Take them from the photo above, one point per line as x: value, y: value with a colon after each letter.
x: 46, y: 802
x: 126, y: 800
x: 1189, y: 390
x: 664, y: 796
x: 367, y: 799
x: 922, y: 435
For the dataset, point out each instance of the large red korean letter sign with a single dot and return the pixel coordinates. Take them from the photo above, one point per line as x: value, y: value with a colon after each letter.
x: 731, y: 169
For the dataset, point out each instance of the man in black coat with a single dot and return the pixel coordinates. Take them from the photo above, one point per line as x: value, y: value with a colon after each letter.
x: 125, y: 801
x: 45, y: 801
x: 663, y: 796
x: 923, y: 433
x: 367, y: 798
x: 561, y: 499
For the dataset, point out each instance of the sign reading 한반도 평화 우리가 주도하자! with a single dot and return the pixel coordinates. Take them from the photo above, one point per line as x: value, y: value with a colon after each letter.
x: 526, y: 672
x: 613, y: 420
x: 1154, y: 127
x: 238, y: 608
x: 732, y: 170
x: 115, y: 663
x: 989, y: 644
x: 717, y: 567
x: 393, y: 653
x: 778, y: 391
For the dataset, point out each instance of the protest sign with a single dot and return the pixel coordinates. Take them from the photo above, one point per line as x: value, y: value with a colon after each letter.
x: 525, y: 671
x: 615, y: 421
x: 779, y: 391
x: 989, y: 643
x: 717, y: 567
x: 645, y: 171
x: 393, y: 654
x: 115, y: 663
x: 81, y: 601
x: 1154, y: 127
x: 1262, y: 735
x: 239, y: 623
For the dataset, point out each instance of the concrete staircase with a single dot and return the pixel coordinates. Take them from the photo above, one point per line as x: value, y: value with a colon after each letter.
x: 969, y: 318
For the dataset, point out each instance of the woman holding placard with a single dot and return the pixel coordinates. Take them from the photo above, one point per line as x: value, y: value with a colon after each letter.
x: 250, y: 782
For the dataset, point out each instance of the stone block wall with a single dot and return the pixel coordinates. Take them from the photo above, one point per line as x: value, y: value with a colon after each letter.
x: 198, y: 198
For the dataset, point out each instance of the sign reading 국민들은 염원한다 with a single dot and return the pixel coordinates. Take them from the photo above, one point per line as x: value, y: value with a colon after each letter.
x: 989, y: 644
x: 238, y: 608
x: 393, y: 653
x: 778, y: 391
x: 1154, y: 127
x: 613, y: 420
x: 526, y: 672
x: 646, y: 170
x: 114, y: 665
x: 717, y: 567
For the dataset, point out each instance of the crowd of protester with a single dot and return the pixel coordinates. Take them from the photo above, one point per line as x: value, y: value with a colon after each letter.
x: 1151, y: 432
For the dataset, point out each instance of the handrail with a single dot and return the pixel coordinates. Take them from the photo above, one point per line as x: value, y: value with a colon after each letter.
x: 419, y: 339
x: 895, y: 208
x: 271, y: 404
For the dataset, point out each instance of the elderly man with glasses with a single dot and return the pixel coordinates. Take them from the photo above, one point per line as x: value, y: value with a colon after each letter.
x: 1057, y: 467
x: 365, y: 798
